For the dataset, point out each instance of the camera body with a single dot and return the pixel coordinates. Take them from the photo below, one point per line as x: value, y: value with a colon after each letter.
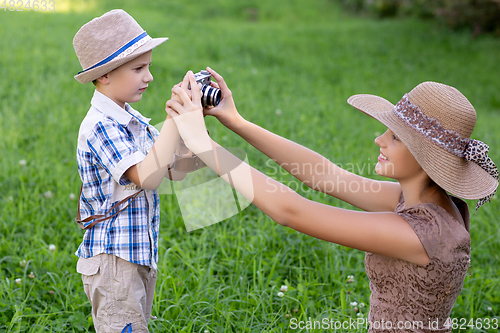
x: 210, y: 96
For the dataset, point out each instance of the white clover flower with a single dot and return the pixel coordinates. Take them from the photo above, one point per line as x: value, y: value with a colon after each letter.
x: 22, y: 263
x: 72, y: 196
x: 52, y: 247
x: 47, y: 194
x: 19, y: 281
x: 206, y: 331
x: 361, y: 305
x: 490, y: 308
x: 32, y: 275
x: 22, y: 162
x: 354, y: 303
x: 281, y: 294
x: 360, y: 314
x: 284, y: 288
x: 278, y: 112
x: 350, y: 278
x: 10, y: 199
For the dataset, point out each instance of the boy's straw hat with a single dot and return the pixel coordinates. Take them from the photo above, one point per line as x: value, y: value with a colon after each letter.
x: 108, y: 42
x: 435, y: 122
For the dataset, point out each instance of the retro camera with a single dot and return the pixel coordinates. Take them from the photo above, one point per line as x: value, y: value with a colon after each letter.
x: 210, y: 96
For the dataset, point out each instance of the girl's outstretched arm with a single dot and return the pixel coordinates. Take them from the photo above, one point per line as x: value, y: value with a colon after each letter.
x: 309, y: 167
x: 383, y: 233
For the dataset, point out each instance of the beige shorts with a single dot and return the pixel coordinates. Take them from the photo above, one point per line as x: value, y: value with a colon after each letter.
x: 120, y: 292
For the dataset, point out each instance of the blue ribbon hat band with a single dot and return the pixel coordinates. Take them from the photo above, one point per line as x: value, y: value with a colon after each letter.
x: 125, y: 50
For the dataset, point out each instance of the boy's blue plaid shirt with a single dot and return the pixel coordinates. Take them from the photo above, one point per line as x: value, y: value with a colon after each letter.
x: 110, y: 141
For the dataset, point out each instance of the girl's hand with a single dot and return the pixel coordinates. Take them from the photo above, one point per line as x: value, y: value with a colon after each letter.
x: 186, y: 110
x: 226, y: 111
x: 183, y: 84
x: 184, y: 99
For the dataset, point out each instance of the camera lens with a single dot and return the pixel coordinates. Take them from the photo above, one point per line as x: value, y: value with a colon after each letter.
x: 210, y: 96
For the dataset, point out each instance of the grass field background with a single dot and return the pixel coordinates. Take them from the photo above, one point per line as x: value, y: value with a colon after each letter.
x: 291, y: 66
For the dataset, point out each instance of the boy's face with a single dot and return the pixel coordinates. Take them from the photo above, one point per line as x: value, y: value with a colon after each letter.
x: 127, y: 83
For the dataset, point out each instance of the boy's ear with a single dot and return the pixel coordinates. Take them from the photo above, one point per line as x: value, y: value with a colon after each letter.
x: 103, y: 79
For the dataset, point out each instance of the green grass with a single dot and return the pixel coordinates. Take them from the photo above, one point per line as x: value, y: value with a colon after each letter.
x: 300, y: 57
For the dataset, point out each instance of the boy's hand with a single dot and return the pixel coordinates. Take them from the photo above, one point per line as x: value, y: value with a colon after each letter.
x: 226, y: 111
x: 186, y: 110
x: 174, y: 97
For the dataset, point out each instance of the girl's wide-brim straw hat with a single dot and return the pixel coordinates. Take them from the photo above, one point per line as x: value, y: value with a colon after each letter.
x: 435, y: 122
x: 108, y: 42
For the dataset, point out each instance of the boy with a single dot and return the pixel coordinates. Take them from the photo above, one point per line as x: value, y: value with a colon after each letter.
x: 122, y: 161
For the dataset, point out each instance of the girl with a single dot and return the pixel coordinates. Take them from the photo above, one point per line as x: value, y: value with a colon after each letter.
x: 415, y: 235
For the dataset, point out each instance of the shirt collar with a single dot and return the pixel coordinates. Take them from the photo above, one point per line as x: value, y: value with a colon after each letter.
x: 107, y: 106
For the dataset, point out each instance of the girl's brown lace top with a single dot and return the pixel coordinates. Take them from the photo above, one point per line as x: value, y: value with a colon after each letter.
x: 410, y: 298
